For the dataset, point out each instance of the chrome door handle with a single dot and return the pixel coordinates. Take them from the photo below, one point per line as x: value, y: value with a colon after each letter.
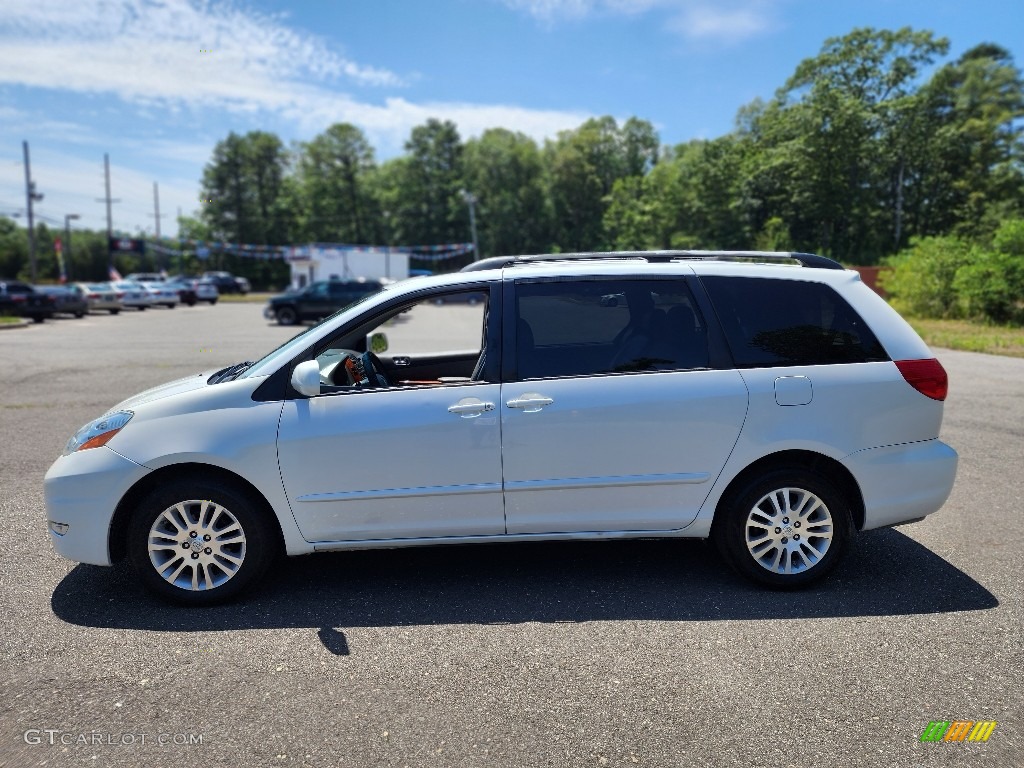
x: 401, y: 360
x: 470, y: 407
x: 531, y: 402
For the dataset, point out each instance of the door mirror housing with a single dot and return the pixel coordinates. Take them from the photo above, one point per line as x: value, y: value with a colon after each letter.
x: 378, y: 343
x: 306, y: 378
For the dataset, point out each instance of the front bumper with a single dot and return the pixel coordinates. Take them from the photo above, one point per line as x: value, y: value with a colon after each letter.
x: 82, y: 490
x: 901, y: 483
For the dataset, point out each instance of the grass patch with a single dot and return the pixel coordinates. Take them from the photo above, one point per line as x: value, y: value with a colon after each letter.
x: 8, y: 320
x: 970, y: 336
x: 249, y: 298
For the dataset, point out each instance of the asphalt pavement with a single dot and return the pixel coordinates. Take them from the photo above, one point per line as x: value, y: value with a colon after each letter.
x: 584, y: 654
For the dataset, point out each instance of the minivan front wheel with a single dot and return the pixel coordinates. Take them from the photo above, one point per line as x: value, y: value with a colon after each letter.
x: 786, y: 529
x: 199, y: 542
x: 286, y: 316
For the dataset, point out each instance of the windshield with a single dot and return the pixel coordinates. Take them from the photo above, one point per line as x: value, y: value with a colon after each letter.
x: 270, y: 362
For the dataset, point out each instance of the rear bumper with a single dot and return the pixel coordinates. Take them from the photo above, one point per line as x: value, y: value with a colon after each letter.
x: 902, y: 483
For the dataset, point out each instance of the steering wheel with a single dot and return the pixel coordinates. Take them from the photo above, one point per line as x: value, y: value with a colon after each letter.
x: 374, y: 370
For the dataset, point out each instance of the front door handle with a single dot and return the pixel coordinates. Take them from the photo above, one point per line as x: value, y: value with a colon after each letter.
x: 401, y: 360
x: 531, y: 402
x: 470, y: 407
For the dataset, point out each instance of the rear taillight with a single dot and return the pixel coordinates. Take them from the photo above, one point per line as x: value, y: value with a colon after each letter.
x: 18, y: 297
x: 92, y: 296
x: 926, y: 376
x: 119, y: 295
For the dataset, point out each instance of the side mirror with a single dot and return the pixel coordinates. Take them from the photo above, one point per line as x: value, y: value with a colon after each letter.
x: 378, y: 343
x: 306, y: 378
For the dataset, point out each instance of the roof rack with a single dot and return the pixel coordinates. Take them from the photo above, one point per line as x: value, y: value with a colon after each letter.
x: 803, y: 259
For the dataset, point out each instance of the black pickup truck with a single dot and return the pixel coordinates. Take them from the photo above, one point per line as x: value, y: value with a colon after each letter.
x: 17, y: 298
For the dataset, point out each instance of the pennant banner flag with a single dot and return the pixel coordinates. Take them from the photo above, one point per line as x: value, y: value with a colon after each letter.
x: 318, y: 251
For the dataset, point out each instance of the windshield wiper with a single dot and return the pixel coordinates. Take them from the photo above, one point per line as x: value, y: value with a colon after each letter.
x: 231, y: 372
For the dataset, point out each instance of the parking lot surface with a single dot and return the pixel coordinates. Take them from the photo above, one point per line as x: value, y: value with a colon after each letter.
x: 586, y: 654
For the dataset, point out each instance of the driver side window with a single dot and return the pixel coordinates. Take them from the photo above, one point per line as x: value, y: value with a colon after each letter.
x: 437, y: 341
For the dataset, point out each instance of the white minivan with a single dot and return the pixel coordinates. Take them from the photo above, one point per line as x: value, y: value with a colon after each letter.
x: 772, y: 402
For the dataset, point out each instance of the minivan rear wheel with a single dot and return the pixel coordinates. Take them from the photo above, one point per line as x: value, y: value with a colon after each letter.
x: 199, y: 542
x: 785, y: 529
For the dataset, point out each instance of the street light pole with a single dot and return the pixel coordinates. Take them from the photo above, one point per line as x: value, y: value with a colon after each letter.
x: 471, y: 200
x: 67, y: 239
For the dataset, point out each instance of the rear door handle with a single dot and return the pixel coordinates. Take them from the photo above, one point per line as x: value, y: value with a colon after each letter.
x: 470, y: 407
x: 531, y: 402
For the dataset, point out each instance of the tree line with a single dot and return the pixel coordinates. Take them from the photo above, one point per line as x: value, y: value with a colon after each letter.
x: 868, y: 145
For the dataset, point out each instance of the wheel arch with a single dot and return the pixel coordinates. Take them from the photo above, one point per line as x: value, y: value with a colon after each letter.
x: 117, y: 537
x: 811, y: 461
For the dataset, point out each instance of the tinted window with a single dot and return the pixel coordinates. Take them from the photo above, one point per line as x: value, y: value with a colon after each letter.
x: 790, y: 322
x: 601, y: 326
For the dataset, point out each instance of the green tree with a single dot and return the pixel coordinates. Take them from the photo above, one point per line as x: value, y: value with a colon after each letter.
x: 331, y: 186
x: 836, y: 137
x: 429, y: 200
x: 506, y: 173
x: 241, y: 189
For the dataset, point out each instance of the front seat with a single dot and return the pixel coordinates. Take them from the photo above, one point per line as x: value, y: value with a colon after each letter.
x: 526, y: 347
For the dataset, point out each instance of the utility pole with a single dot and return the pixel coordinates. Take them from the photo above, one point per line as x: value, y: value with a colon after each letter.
x: 30, y: 196
x: 471, y: 201
x: 67, y: 242
x: 108, y: 200
x: 156, y: 216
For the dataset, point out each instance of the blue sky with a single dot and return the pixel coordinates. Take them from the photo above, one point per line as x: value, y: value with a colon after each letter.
x: 156, y: 83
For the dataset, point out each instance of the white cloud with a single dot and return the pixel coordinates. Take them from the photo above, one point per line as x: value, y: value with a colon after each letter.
x: 729, y: 21
x: 192, y: 54
x: 730, y: 25
x: 180, y: 50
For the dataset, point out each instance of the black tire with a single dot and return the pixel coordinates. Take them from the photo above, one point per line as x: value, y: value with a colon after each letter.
x: 286, y: 316
x: 170, y: 306
x: 79, y: 315
x: 37, y: 318
x: 256, y: 550
x: 212, y: 302
x: 142, y: 309
x: 114, y: 311
x: 749, y: 513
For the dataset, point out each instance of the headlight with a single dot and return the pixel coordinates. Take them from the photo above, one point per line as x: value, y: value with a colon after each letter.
x: 98, y: 432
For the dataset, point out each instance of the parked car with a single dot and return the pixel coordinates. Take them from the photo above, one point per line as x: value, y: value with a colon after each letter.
x: 162, y: 294
x: 777, y: 408
x: 132, y: 294
x: 318, y: 300
x: 206, y: 291
x: 67, y: 300
x: 185, y: 290
x: 227, y: 283
x: 101, y: 297
x: 18, y: 298
x: 146, y: 277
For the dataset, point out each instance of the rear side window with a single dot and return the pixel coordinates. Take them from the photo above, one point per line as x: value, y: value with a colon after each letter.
x: 580, y: 328
x: 772, y: 323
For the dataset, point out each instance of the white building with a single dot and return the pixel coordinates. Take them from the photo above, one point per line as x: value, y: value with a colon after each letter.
x: 314, y: 262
